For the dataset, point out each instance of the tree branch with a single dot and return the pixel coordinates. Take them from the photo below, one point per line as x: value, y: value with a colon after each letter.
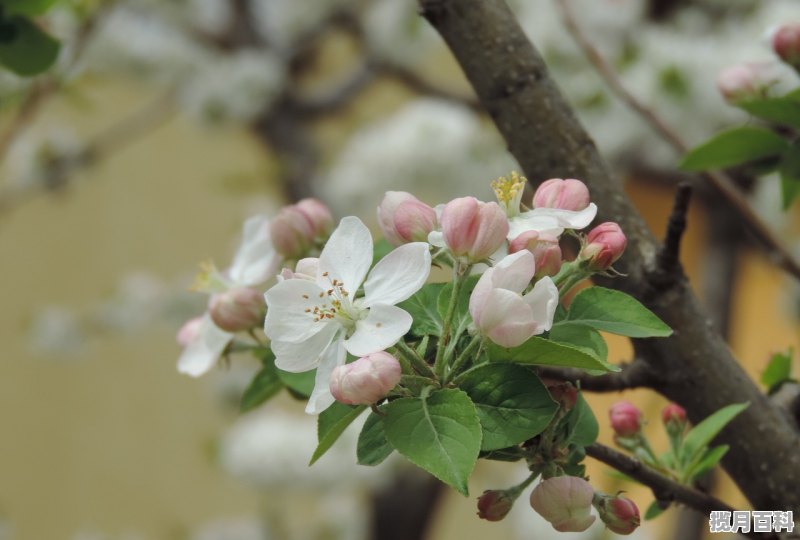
x: 637, y: 374
x: 542, y: 132
x: 721, y: 181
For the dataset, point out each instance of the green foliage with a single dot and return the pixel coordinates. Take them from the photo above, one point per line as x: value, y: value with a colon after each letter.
x: 512, y: 403
x: 26, y: 49
x: 422, y: 307
x: 696, y: 441
x: 264, y: 385
x: 461, y: 318
x: 581, y: 337
x: 783, y: 111
x: 373, y: 446
x: 710, y: 459
x: 29, y: 8
x: 733, y: 147
x: 582, y: 424
x: 778, y: 371
x: 331, y: 424
x: 653, y: 511
x: 380, y: 250
x: 301, y: 384
x: 438, y: 432
x: 543, y: 352
x: 789, y: 169
x: 615, y: 312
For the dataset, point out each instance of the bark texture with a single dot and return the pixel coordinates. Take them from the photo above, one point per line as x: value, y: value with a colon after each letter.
x: 695, y: 367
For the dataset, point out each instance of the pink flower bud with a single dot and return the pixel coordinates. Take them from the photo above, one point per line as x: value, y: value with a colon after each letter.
x: 626, y: 419
x: 545, y: 248
x: 403, y: 218
x: 564, y: 393
x: 566, y: 502
x: 674, y: 417
x: 366, y: 380
x: 569, y: 194
x: 473, y: 229
x: 786, y: 44
x: 746, y: 81
x: 494, y: 504
x: 189, y: 331
x: 295, y: 229
x: 620, y: 514
x: 604, y: 245
x: 236, y: 310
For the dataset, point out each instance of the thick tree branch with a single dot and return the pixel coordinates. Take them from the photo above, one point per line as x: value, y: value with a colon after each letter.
x: 721, y: 181
x: 695, y: 367
x: 637, y: 374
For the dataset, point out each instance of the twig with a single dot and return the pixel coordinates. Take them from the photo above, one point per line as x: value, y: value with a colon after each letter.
x: 720, y: 180
x: 634, y: 375
x: 664, y: 489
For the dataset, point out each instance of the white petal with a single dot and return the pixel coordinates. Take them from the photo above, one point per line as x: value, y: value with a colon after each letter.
x: 383, y: 327
x: 515, y: 271
x: 297, y: 357
x: 202, y: 353
x: 528, y: 221
x: 347, y: 255
x: 287, y: 302
x: 321, y: 397
x: 507, y: 319
x: 543, y: 300
x: 256, y: 259
x: 398, y: 275
x: 436, y: 238
x: 567, y: 218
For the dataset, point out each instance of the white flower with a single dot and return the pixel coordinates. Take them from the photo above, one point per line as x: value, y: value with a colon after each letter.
x: 255, y: 261
x: 550, y: 220
x: 313, y: 324
x: 499, y: 309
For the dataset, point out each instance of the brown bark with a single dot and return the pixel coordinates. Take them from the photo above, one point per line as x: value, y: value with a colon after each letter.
x: 695, y: 367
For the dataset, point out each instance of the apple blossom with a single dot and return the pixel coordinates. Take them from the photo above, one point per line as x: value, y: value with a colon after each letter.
x: 746, y: 81
x: 620, y: 514
x: 366, y: 380
x: 297, y: 227
x: 569, y: 194
x: 786, y: 43
x: 189, y: 331
x: 494, y: 504
x: 626, y: 418
x: 604, y: 245
x: 403, y: 218
x: 313, y: 324
x: 564, y: 501
x: 471, y: 229
x: 545, y: 248
x: 674, y: 418
x: 255, y: 261
x: 237, y: 309
x: 499, y: 309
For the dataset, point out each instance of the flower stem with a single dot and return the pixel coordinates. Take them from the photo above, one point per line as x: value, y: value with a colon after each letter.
x: 420, y: 365
x: 458, y: 278
x: 462, y: 358
x: 519, y: 488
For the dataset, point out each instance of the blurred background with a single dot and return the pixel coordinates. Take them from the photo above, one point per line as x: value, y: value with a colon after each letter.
x: 165, y: 124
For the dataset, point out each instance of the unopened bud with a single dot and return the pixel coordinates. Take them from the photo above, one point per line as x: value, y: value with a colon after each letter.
x: 674, y: 418
x: 545, y: 248
x: 403, y: 218
x: 366, y: 380
x: 746, y: 81
x: 604, y: 245
x: 189, y: 331
x: 626, y: 419
x: 236, y: 310
x: 318, y: 215
x: 295, y: 229
x: 494, y: 504
x: 620, y: 514
x: 569, y: 194
x: 786, y: 44
x: 564, y: 501
x: 473, y: 229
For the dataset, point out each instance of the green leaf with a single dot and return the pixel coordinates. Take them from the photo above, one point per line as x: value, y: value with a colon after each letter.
x: 31, y: 50
x: 380, y: 250
x: 422, y: 307
x: 699, y: 436
x: 513, y: 405
x: 653, y: 511
x: 300, y: 383
x: 734, y: 147
x: 582, y: 424
x: 778, y: 371
x: 710, y: 460
x: 613, y: 311
x: 509, y: 455
x: 331, y: 424
x: 373, y: 446
x: 543, y: 352
x: 264, y: 385
x: 31, y: 8
x: 439, y: 432
x: 780, y: 110
x: 581, y: 337
x: 790, y: 175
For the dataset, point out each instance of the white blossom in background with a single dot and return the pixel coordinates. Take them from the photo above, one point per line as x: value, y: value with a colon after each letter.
x: 431, y: 147
x: 211, y: 16
x: 242, y: 528
x: 56, y: 331
x: 30, y: 157
x: 396, y: 32
x: 281, y: 22
x: 234, y: 87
